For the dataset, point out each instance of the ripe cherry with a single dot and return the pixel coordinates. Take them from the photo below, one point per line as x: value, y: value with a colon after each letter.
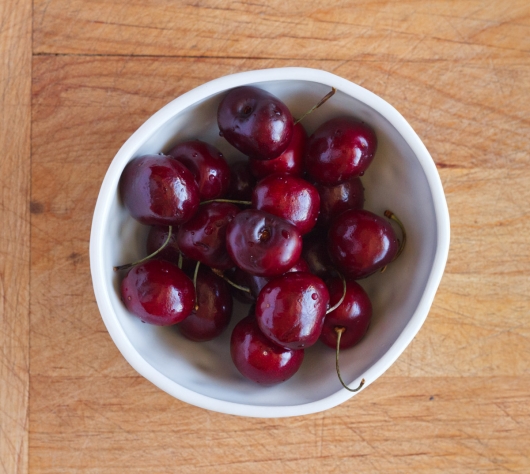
x: 255, y: 122
x: 339, y: 150
x: 158, y: 292
x: 339, y: 198
x: 360, y: 243
x: 242, y: 181
x: 290, y: 161
x: 290, y: 309
x: 353, y: 314
x: 258, y: 358
x: 158, y: 190
x: 263, y: 244
x: 203, y: 237
x: 207, y: 165
x: 214, y: 308
x: 315, y: 253
x: 289, y: 197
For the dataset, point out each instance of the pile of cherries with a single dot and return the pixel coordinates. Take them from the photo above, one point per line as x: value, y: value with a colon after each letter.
x: 284, y: 231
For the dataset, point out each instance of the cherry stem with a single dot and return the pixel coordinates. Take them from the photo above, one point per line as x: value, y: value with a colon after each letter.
x: 179, y: 263
x: 324, y: 99
x: 220, y: 274
x: 335, y: 306
x: 195, y: 284
x: 232, y: 201
x: 392, y: 216
x: 339, y: 330
x: 130, y: 265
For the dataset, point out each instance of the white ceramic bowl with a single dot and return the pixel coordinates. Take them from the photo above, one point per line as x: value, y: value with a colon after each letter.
x: 402, y: 177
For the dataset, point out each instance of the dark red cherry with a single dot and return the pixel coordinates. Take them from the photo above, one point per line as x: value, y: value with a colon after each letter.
x: 242, y: 181
x: 360, y: 243
x: 158, y: 292
x: 215, y: 308
x: 289, y: 197
x: 156, y: 238
x: 339, y: 198
x: 315, y: 253
x: 157, y: 190
x: 353, y: 314
x: 339, y: 150
x: 290, y: 309
x: 263, y: 244
x: 207, y: 165
x: 203, y: 237
x: 259, y: 359
x: 256, y: 283
x: 255, y: 122
x: 290, y: 161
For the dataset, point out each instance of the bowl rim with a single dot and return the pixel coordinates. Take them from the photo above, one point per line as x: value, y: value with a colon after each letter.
x: 208, y: 89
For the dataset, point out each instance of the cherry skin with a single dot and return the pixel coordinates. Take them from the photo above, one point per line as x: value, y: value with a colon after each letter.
x: 255, y: 122
x: 242, y: 181
x: 290, y: 309
x: 339, y: 198
x: 353, y: 314
x: 157, y: 190
x: 360, y: 243
x: 339, y: 150
x: 203, y: 237
x: 208, y: 166
x: 243, y: 279
x: 315, y: 253
x: 158, y: 292
x: 290, y: 161
x: 156, y: 238
x: 256, y: 283
x: 263, y: 244
x: 214, y: 308
x: 289, y: 197
x: 259, y: 359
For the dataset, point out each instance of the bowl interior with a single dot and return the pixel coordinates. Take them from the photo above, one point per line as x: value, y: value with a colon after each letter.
x: 395, y: 181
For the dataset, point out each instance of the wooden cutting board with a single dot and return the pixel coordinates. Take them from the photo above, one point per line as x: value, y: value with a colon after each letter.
x: 79, y: 76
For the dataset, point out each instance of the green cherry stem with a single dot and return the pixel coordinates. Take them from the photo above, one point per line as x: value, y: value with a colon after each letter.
x: 130, y: 265
x: 220, y: 274
x: 195, y: 285
x: 179, y: 263
x: 339, y: 330
x: 232, y: 201
x: 324, y: 99
x: 335, y: 306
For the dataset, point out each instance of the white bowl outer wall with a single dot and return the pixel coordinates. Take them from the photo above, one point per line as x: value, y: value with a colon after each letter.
x: 403, y: 177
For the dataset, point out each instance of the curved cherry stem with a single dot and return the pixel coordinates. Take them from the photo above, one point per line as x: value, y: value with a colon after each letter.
x: 195, y: 273
x: 231, y: 201
x: 335, y: 306
x: 220, y: 274
x: 179, y: 263
x: 130, y: 265
x: 324, y: 99
x: 391, y: 215
x: 339, y: 330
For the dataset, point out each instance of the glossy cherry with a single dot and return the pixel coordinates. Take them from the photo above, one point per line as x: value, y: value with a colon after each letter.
x: 339, y: 150
x: 353, y: 314
x: 158, y: 292
x: 289, y: 197
x: 290, y: 309
x: 290, y: 161
x: 242, y: 181
x: 158, y: 190
x: 255, y: 122
x: 315, y: 253
x: 203, y: 237
x: 207, y: 165
x: 263, y: 244
x: 360, y: 243
x: 258, y: 358
x: 214, y: 308
x: 339, y: 198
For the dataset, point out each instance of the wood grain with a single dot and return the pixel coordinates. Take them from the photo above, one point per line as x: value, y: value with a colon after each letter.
x: 15, y: 95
